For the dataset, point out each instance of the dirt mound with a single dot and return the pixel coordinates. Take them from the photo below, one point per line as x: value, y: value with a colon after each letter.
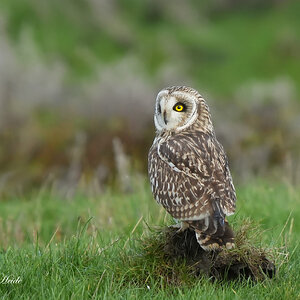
x: 244, y: 261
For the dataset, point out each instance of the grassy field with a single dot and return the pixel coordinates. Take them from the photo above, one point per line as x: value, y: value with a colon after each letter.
x: 96, y: 247
x: 62, y: 116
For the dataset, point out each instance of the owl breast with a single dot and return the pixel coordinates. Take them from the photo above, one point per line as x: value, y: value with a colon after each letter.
x: 189, y: 176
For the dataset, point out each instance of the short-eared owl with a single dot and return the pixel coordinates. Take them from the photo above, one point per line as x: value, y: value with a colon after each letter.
x: 188, y: 167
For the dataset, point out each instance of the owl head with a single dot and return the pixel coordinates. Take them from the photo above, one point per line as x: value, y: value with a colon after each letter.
x: 180, y: 107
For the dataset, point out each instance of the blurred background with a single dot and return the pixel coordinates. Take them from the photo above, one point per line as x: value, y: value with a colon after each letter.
x: 78, y: 81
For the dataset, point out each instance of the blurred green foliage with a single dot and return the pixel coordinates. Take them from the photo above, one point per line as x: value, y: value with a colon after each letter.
x: 76, y: 74
x: 219, y: 44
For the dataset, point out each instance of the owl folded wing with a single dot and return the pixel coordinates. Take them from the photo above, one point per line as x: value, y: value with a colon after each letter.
x: 203, y: 174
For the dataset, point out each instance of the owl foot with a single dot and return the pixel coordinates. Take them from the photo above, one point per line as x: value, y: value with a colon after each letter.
x: 181, y: 226
x: 228, y: 237
x: 229, y: 243
x: 213, y: 243
x: 208, y: 242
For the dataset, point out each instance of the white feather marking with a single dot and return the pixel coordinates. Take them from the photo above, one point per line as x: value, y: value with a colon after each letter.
x: 196, y: 217
x: 178, y: 201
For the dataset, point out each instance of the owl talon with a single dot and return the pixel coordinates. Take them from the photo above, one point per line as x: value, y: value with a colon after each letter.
x: 177, y: 225
x: 211, y: 247
x: 230, y: 246
x: 181, y: 226
x: 209, y: 243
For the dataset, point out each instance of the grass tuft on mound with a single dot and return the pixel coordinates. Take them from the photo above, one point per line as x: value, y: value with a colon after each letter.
x: 173, y: 258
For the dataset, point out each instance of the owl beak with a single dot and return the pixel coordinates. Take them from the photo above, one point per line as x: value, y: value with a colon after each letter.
x: 165, y: 118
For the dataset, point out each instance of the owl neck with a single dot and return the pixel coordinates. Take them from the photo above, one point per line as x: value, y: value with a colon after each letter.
x: 203, y: 126
x: 204, y: 122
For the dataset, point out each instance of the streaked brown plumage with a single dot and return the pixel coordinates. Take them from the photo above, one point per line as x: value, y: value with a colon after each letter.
x: 188, y: 168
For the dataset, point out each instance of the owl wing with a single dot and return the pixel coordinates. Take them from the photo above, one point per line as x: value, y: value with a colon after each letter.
x: 201, y: 184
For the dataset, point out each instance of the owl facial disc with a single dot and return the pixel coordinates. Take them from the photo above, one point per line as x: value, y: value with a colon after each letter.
x: 175, y: 111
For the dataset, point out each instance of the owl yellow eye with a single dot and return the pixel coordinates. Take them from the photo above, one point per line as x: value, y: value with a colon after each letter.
x: 179, y: 107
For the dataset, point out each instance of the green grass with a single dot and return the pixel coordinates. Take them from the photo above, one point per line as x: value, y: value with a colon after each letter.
x: 98, y: 246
